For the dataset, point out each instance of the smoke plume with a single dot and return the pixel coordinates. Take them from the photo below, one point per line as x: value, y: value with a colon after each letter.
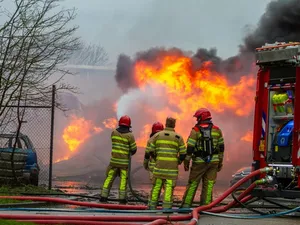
x: 280, y: 22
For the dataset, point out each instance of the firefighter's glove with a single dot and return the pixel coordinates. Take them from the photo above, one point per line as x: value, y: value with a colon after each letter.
x: 186, y: 165
x: 220, y: 166
x: 146, y: 165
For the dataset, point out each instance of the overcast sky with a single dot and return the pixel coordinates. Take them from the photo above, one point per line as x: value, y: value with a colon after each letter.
x: 127, y: 26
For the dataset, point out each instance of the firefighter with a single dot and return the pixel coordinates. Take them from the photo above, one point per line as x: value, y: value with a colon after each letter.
x: 123, y: 147
x: 205, y: 146
x: 169, y: 149
x: 149, y: 160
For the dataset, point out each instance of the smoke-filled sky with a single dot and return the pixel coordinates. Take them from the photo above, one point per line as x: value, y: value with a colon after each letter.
x: 133, y: 25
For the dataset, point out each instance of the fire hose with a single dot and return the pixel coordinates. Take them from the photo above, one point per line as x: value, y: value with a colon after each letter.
x: 130, y: 185
x: 196, y: 211
x: 157, y: 219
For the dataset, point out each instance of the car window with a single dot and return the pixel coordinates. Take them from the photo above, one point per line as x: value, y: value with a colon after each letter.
x: 23, y: 144
x: 8, y: 142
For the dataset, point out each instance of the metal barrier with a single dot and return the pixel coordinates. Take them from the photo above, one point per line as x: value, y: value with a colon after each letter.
x: 38, y: 125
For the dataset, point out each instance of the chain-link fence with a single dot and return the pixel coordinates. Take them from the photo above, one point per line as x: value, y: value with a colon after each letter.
x: 36, y: 133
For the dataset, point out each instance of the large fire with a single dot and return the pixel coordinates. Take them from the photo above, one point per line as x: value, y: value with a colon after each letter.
x: 183, y: 88
x: 78, y: 132
x: 188, y: 90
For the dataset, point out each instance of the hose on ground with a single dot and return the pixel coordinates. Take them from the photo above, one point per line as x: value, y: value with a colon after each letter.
x: 96, y: 210
x: 130, y: 185
x: 90, y: 197
x: 155, y: 219
x: 111, y: 218
x: 246, y: 206
x: 78, y: 203
x: 253, y: 217
x: 276, y: 203
x: 158, y: 221
x: 76, y: 222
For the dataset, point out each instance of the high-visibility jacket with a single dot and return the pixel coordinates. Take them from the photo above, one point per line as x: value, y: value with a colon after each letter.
x: 195, y: 149
x: 169, y: 149
x: 123, y: 145
x: 279, y: 101
x: 148, y: 156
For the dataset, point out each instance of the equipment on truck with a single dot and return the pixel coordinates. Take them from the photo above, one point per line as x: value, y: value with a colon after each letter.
x: 276, y: 140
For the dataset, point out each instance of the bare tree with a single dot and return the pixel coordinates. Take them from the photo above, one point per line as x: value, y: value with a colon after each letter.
x: 89, y: 54
x: 34, y: 40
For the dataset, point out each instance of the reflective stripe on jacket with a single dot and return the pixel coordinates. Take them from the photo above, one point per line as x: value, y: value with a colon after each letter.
x: 122, y: 145
x: 151, y: 162
x: 167, y: 145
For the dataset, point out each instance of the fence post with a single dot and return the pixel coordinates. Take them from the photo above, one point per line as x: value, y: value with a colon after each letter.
x: 51, y: 136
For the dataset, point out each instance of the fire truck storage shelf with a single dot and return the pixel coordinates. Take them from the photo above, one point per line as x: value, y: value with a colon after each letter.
x: 285, y: 117
x: 280, y: 51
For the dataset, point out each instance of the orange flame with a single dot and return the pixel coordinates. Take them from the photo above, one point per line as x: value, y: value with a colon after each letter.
x: 62, y: 159
x: 248, y: 136
x: 110, y: 123
x: 141, y: 141
x: 187, y: 89
x: 79, y: 131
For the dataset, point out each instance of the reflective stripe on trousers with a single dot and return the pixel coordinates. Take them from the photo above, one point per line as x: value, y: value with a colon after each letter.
x: 111, y: 175
x: 169, y: 186
x: 207, y: 172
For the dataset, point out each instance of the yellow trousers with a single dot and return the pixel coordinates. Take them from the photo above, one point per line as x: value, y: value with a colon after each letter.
x: 207, y: 172
x: 158, y: 184
x: 111, y: 174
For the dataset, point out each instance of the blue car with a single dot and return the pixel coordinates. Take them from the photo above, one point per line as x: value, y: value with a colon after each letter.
x: 24, y: 146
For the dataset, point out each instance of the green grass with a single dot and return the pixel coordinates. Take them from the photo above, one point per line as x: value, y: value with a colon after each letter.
x: 7, y: 190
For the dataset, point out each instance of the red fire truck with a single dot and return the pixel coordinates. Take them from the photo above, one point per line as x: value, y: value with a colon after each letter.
x: 276, y: 136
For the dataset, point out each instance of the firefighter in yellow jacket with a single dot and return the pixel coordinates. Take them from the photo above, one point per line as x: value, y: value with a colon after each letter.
x: 205, y: 146
x: 149, y: 160
x: 123, y: 146
x: 169, y: 149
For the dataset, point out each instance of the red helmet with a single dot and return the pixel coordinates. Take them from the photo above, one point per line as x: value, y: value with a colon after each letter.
x: 125, y: 121
x: 157, y: 127
x: 202, y: 114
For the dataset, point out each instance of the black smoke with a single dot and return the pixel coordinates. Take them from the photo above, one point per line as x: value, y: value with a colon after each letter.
x: 124, y: 73
x: 280, y: 22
